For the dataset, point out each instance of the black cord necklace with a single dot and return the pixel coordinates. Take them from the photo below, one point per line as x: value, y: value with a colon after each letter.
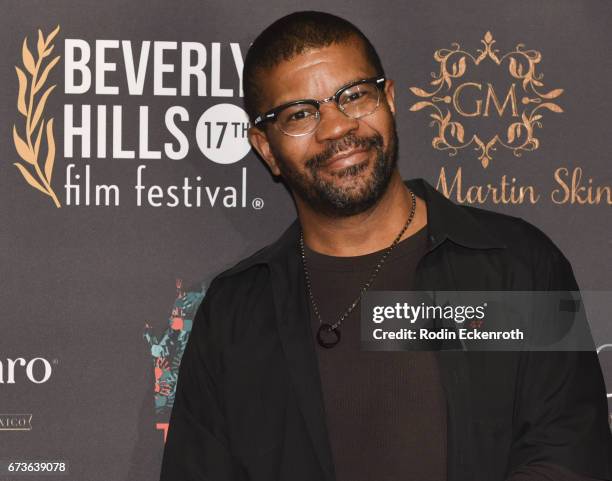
x: 328, y: 335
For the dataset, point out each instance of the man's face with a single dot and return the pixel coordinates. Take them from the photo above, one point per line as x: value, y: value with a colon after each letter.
x: 310, y: 164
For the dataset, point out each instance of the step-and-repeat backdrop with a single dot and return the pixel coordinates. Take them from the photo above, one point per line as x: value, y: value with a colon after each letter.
x: 127, y: 182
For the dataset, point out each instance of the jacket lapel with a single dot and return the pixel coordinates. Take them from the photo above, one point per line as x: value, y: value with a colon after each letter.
x: 292, y: 318
x: 434, y: 273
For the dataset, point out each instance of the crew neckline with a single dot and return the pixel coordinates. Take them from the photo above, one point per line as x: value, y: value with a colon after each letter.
x: 319, y: 261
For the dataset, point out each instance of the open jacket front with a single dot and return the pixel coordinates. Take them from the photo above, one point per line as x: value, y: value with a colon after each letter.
x: 249, y: 404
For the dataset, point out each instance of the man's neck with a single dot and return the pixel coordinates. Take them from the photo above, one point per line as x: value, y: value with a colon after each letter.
x: 370, y: 231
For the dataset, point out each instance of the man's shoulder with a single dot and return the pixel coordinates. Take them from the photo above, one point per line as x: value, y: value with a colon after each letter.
x: 524, y: 241
x: 515, y: 232
x: 230, y: 294
x: 243, y: 272
x: 256, y: 263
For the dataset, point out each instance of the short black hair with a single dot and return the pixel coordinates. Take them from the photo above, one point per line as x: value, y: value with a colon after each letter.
x: 292, y: 35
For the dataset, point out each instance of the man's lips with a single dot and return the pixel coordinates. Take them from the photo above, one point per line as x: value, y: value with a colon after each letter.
x: 346, y: 158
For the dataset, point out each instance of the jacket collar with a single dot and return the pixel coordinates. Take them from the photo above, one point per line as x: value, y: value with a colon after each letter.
x: 445, y: 220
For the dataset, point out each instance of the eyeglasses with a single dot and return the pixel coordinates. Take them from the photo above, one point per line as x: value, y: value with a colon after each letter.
x: 301, y: 117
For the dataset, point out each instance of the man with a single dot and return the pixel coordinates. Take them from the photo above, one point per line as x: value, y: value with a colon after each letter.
x: 273, y: 384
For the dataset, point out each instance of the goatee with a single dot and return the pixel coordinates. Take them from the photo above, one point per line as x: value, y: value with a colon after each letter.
x: 333, y: 200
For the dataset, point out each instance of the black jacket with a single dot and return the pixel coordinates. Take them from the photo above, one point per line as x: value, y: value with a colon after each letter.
x: 249, y: 404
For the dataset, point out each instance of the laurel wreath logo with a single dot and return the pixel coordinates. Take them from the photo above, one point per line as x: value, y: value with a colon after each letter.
x: 521, y: 66
x: 32, y: 108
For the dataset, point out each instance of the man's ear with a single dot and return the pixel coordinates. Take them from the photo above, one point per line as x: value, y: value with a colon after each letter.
x: 390, y: 95
x: 259, y: 141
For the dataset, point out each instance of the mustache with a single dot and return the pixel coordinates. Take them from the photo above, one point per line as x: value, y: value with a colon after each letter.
x: 348, y: 142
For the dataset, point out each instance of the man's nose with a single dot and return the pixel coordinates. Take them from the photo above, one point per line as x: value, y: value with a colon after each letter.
x: 333, y: 123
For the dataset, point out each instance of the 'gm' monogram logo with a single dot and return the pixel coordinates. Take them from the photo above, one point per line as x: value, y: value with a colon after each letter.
x: 523, y: 101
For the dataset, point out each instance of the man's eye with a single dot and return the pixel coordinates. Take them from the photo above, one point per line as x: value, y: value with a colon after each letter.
x: 300, y: 115
x: 354, y: 96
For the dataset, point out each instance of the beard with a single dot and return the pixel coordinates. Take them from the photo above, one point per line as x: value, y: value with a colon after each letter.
x: 333, y: 200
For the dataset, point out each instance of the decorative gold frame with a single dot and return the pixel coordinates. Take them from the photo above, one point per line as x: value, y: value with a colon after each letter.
x: 521, y: 65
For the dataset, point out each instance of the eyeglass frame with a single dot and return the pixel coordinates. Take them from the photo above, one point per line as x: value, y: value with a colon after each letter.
x: 271, y: 115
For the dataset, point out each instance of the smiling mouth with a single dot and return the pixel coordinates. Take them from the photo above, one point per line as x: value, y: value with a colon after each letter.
x: 345, y: 159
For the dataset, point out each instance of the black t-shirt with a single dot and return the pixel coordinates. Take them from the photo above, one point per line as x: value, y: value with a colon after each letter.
x: 386, y: 411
